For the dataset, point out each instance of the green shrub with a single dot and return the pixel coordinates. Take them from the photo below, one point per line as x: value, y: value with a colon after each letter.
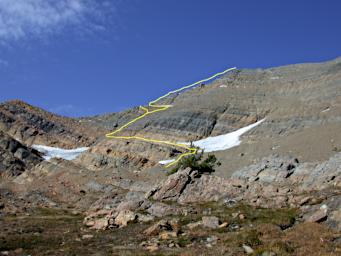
x: 195, y: 162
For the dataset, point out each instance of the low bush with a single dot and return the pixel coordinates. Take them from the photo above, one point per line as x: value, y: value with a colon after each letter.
x: 195, y: 162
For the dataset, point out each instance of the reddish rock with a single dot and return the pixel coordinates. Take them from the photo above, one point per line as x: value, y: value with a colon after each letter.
x: 318, y: 216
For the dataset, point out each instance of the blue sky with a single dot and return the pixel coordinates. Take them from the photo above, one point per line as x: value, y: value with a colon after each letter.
x: 85, y: 57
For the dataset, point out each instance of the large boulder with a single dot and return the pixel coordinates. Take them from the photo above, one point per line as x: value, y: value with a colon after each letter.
x: 172, y: 188
x: 186, y: 186
x: 124, y: 217
x: 163, y: 226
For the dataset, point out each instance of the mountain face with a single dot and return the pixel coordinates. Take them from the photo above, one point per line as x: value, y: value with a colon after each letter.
x: 281, y: 183
x: 33, y: 125
x: 298, y: 102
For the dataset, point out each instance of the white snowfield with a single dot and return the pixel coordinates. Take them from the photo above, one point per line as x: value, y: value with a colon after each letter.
x: 220, y: 142
x: 225, y: 141
x: 52, y: 152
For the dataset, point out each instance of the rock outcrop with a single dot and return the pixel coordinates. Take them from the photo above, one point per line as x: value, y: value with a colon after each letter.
x: 275, y: 182
x: 288, y: 171
x: 15, y: 157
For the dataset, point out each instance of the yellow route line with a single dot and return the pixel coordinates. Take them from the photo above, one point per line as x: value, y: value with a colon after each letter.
x: 158, y: 108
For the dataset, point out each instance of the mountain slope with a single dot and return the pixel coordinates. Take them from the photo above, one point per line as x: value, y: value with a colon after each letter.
x: 300, y: 102
x: 33, y: 125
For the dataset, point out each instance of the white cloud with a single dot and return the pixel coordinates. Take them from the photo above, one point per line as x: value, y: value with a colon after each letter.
x: 36, y: 18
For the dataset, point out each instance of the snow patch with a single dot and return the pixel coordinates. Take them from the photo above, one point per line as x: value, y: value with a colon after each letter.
x: 220, y: 142
x: 324, y: 207
x: 225, y: 141
x: 52, y: 152
x: 164, y: 162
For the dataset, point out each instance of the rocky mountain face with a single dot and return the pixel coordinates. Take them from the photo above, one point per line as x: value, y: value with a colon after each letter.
x: 299, y: 102
x: 277, y: 193
x: 32, y: 125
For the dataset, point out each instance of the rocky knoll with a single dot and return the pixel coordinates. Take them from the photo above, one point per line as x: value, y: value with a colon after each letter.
x: 275, y: 182
x: 15, y: 157
x: 33, y: 125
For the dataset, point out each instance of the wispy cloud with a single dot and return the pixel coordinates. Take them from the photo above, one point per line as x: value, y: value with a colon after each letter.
x: 21, y: 19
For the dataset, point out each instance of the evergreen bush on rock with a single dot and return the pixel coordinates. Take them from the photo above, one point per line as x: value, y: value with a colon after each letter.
x: 195, y: 162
